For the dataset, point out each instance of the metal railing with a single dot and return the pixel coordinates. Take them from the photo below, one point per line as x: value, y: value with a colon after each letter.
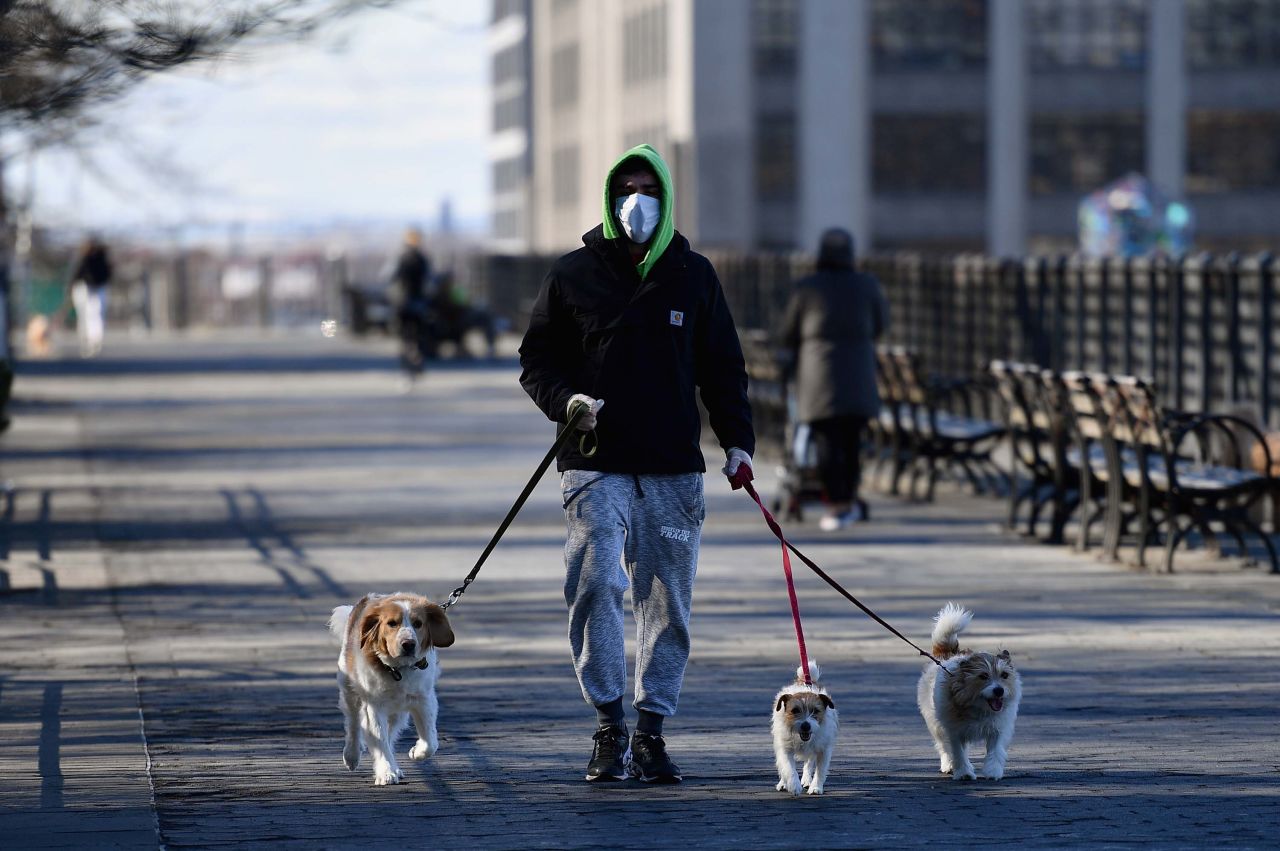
x: 1203, y: 329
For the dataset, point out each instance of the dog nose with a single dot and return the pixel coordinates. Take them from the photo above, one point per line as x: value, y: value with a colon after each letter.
x: 998, y: 691
x: 407, y: 647
x: 804, y: 728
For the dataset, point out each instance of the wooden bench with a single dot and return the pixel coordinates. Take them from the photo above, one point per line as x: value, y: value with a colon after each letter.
x: 1036, y: 419
x: 1194, y: 473
x: 937, y: 425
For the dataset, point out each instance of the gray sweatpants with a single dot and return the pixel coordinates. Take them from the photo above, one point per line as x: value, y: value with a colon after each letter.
x: 645, y: 529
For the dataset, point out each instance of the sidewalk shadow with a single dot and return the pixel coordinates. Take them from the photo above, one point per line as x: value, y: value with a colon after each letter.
x: 41, y: 535
x: 261, y: 529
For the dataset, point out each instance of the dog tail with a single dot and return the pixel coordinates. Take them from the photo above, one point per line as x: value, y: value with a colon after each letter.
x: 338, y: 622
x: 947, y: 626
x: 814, y: 672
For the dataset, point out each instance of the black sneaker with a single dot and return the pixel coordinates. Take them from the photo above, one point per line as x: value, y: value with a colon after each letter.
x: 649, y: 760
x: 610, y: 755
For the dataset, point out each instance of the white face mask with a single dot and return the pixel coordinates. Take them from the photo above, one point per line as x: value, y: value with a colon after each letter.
x: 638, y: 215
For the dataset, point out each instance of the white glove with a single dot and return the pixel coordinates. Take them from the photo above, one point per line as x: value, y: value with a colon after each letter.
x: 588, y: 421
x: 734, y: 459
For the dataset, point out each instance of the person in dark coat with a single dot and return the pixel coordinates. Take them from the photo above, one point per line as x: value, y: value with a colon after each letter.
x: 829, y: 330
x: 89, y: 284
x: 637, y: 319
x: 409, y: 305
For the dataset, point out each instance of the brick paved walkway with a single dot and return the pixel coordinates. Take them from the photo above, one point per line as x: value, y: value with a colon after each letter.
x: 181, y: 517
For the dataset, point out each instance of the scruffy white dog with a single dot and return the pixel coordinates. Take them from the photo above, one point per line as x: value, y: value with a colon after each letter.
x: 805, y: 724
x: 387, y: 671
x: 972, y: 697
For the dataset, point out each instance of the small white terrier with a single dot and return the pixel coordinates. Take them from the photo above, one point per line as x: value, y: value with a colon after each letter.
x: 805, y: 724
x: 972, y: 697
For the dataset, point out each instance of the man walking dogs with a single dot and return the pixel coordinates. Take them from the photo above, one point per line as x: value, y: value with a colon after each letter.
x: 629, y: 325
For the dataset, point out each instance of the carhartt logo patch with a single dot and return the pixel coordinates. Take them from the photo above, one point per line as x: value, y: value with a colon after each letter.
x: 674, y: 534
x: 677, y: 317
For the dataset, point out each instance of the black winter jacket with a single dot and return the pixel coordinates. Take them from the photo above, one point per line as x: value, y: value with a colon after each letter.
x: 409, y: 281
x: 642, y: 348
x: 94, y: 268
x: 830, y: 329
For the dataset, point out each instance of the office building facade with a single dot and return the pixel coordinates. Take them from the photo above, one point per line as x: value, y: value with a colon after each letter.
x: 929, y: 124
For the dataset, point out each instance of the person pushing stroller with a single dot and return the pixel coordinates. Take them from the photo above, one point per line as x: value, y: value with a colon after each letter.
x: 828, y: 336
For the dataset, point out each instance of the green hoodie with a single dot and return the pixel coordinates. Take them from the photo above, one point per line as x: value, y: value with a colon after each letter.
x: 666, y: 217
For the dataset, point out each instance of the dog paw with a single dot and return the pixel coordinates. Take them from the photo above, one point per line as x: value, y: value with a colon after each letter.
x: 351, y: 757
x: 792, y: 786
x: 385, y: 775
x: 945, y: 768
x: 963, y: 774
x: 992, y: 773
x: 815, y: 789
x: 421, y: 750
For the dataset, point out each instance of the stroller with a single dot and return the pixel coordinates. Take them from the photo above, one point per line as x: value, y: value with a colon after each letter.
x: 798, y: 479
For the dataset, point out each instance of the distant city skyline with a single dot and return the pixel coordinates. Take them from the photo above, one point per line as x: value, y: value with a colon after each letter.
x: 382, y: 118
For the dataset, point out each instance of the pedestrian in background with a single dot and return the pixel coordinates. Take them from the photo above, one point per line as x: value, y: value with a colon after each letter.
x: 409, y: 306
x: 89, y: 295
x: 639, y: 320
x: 829, y: 331
x: 454, y: 316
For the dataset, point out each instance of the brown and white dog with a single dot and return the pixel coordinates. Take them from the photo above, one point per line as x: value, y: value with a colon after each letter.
x: 387, y: 671
x: 805, y: 726
x: 972, y: 697
x: 39, y: 336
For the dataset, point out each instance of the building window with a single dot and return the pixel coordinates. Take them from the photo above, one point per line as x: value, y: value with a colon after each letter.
x: 1229, y: 151
x: 654, y: 135
x: 506, y: 224
x: 507, y: 174
x: 644, y: 45
x: 564, y: 176
x: 564, y: 76
x: 925, y: 154
x: 507, y: 8
x: 508, y: 112
x: 508, y: 64
x: 1233, y: 33
x: 774, y: 35
x: 776, y: 157
x: 1087, y: 33
x: 907, y: 34
x: 1078, y: 154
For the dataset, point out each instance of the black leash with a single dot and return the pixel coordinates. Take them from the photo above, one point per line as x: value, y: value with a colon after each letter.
x: 570, y: 428
x: 777, y: 531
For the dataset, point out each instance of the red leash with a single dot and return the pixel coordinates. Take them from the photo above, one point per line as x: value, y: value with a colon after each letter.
x: 742, y: 479
x: 739, y: 480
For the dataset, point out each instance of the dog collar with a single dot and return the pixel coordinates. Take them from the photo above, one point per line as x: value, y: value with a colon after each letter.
x: 421, y: 664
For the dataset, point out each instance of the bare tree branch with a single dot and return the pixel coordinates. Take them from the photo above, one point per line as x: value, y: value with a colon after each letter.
x: 60, y: 60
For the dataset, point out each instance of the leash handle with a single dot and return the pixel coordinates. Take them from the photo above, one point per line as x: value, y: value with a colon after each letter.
x: 786, y: 569
x: 787, y: 545
x: 575, y: 413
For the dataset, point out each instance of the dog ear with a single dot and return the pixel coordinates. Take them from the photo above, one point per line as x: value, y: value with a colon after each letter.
x: 782, y: 701
x: 826, y: 698
x: 438, y: 628
x: 368, y: 625
x: 1004, y: 654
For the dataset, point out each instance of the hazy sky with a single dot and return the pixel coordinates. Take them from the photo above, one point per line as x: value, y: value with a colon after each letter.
x: 381, y: 117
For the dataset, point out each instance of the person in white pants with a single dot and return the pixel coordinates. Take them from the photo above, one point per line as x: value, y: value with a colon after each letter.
x: 89, y: 295
x: 91, y: 308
